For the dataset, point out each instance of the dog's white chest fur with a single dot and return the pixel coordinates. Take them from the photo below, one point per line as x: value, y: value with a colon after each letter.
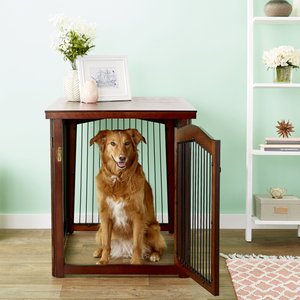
x: 117, y: 211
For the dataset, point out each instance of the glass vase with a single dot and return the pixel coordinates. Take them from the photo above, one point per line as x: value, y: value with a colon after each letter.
x: 283, y: 74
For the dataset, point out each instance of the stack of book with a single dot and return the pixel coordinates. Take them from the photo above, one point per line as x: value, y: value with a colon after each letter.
x: 281, y: 144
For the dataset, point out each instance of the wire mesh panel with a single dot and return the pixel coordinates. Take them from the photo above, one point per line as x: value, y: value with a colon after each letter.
x: 152, y: 157
x: 197, y: 211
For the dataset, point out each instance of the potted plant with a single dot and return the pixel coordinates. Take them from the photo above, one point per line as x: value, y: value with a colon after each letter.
x: 74, y: 38
x: 282, y: 59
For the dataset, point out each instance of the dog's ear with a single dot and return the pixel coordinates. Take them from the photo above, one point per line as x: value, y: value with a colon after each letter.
x: 136, y: 136
x: 99, y: 138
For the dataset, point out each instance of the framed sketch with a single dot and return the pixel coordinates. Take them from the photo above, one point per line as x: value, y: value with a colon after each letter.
x: 110, y: 74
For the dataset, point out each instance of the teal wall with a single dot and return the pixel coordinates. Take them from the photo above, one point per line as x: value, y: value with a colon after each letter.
x: 189, y: 48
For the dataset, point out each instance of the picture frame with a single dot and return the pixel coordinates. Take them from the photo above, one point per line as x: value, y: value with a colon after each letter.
x: 110, y: 74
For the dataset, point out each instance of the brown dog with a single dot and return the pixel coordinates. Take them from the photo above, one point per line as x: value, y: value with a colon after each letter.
x: 125, y: 200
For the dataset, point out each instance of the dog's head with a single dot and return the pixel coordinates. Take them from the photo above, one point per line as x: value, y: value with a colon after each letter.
x: 118, y: 148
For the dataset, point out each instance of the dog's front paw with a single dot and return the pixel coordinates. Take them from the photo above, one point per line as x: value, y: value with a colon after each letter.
x: 135, y: 261
x: 104, y: 259
x: 102, y: 262
x: 97, y: 253
x: 154, y: 257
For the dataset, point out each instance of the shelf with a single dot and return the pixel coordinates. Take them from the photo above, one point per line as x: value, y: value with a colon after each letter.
x: 277, y: 20
x: 284, y: 153
x: 276, y: 85
x: 254, y: 23
x: 261, y: 222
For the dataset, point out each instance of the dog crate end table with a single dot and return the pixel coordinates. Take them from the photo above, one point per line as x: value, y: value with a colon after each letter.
x: 181, y: 192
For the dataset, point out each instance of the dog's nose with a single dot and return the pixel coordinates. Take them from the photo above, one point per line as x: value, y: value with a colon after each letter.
x: 122, y: 157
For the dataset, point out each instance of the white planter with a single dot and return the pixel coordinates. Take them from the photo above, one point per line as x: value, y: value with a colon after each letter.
x: 71, y: 86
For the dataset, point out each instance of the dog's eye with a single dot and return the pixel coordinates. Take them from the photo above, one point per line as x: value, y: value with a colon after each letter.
x: 113, y: 144
x: 127, y: 143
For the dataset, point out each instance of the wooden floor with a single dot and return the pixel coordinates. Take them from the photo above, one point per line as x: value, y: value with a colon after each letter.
x: 25, y: 270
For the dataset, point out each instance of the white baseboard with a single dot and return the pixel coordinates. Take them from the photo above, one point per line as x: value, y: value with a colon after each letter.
x: 43, y: 221
x: 25, y: 221
x: 232, y: 221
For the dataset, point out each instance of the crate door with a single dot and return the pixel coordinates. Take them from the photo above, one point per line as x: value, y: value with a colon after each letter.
x: 197, y: 215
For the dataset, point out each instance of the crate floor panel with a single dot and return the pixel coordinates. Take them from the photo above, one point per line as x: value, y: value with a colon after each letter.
x: 81, y: 245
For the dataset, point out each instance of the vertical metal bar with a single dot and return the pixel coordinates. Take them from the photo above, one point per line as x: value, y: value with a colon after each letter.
x: 148, y: 161
x: 183, y: 205
x: 80, y: 176
x: 200, y: 212
x: 209, y: 213
x: 197, y: 206
x: 154, y: 166
x: 93, y: 181
x: 99, y: 160
x: 210, y: 203
x: 178, y: 216
x: 142, y: 146
x: 206, y: 218
x: 202, y: 216
x: 194, y: 203
x: 87, y: 172
x: 161, y: 181
x: 179, y: 240
x: 191, y: 214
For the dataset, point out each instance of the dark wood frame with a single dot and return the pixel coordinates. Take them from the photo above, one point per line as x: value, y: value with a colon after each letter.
x: 64, y: 117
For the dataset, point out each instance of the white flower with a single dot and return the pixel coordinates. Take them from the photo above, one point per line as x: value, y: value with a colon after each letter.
x: 78, y: 25
x: 282, y: 56
x: 74, y: 38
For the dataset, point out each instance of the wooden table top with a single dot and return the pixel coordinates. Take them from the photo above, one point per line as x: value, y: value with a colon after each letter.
x: 143, y: 107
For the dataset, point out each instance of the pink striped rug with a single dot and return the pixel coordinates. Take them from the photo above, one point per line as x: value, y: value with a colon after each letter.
x: 265, y: 277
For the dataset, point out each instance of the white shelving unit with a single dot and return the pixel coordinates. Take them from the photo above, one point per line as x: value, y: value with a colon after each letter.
x: 276, y: 85
x: 275, y: 20
x: 251, y: 86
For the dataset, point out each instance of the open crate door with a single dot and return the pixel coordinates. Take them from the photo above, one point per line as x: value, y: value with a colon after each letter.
x: 197, y: 215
